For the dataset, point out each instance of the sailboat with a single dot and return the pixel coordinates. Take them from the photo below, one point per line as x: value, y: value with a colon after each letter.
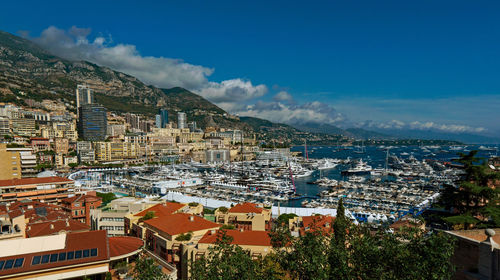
x: 361, y: 149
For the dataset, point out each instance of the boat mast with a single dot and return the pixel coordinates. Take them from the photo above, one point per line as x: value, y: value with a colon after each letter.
x: 305, y: 149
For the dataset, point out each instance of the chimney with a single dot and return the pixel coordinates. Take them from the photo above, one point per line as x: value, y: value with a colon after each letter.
x: 67, y: 223
x: 212, y: 232
x: 241, y: 229
x: 51, y: 226
x: 191, y: 218
x: 29, y: 228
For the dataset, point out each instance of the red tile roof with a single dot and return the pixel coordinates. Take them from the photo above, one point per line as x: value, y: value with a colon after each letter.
x: 54, y: 227
x: 249, y: 237
x: 86, y: 198
x: 246, y: 207
x: 323, y: 223
x: 74, y: 241
x: 122, y: 245
x: 33, y: 181
x: 180, y: 223
x: 161, y: 210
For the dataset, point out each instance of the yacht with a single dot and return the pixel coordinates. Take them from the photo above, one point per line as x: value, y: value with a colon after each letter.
x: 362, y: 168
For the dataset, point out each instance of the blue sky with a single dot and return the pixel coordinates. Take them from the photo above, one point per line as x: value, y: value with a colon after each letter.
x: 412, y: 61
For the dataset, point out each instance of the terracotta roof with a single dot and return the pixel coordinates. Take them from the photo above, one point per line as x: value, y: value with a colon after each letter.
x: 248, y: 237
x: 33, y: 181
x: 246, y: 207
x: 74, y: 241
x: 323, y: 223
x: 161, y: 210
x: 44, y: 228
x: 85, y: 198
x: 180, y: 223
x: 122, y: 245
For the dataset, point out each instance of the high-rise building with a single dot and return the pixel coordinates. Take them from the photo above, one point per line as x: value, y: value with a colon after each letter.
x: 84, y: 95
x: 10, y: 163
x: 181, y: 120
x: 158, y: 121
x: 92, y: 124
x: 164, y: 117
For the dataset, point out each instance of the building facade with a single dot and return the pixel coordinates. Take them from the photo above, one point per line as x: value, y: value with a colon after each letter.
x: 92, y: 125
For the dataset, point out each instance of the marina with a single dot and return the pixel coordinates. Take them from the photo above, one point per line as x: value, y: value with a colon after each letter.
x: 382, y: 184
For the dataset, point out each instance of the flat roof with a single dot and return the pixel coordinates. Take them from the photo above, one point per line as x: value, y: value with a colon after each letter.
x: 23, y: 246
x: 33, y: 181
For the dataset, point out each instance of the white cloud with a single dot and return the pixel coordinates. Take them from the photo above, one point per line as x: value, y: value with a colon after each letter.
x: 417, y: 125
x: 164, y: 72
x: 311, y: 112
x: 283, y: 96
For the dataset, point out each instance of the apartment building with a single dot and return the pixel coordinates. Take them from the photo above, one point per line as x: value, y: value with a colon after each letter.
x: 28, y: 161
x: 79, y: 206
x: 48, y: 189
x: 23, y: 127
x: 245, y: 216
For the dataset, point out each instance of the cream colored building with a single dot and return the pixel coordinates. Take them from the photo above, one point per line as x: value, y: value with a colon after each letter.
x: 245, y: 216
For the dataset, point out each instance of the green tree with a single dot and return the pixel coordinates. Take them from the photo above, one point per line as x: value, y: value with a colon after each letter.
x: 147, y: 269
x: 474, y: 201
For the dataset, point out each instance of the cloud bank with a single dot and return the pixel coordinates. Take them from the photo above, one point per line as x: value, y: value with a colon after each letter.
x: 74, y: 44
x: 417, y: 125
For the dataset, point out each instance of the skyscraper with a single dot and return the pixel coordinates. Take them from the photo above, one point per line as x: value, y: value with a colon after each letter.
x: 164, y: 117
x: 181, y: 120
x: 158, y: 121
x: 84, y: 95
x: 92, y: 124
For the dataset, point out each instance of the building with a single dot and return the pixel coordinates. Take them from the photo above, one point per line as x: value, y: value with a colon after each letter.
x: 4, y: 126
x: 477, y: 254
x: 28, y: 161
x: 10, y: 163
x: 23, y: 127
x: 92, y: 125
x: 245, y: 216
x: 110, y: 151
x: 12, y: 223
x: 217, y: 156
x: 39, y: 144
x: 158, y: 121
x: 163, y: 117
x: 60, y: 129
x: 85, y: 151
x: 111, y: 218
x: 181, y: 120
x: 302, y: 224
x: 79, y: 206
x: 47, y: 189
x: 65, y: 256
x: 61, y: 146
x: 84, y: 95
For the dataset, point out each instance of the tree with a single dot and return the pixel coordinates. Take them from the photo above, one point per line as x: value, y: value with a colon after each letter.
x: 149, y: 215
x: 147, y: 269
x: 474, y: 202
x: 338, y: 258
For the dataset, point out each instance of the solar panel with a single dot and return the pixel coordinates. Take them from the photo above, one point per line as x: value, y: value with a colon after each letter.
x: 8, y: 264
x: 53, y: 257
x: 78, y: 254
x: 36, y: 260
x: 93, y: 252
x: 62, y: 256
x: 19, y: 262
x: 71, y: 255
x: 1, y: 264
x: 45, y: 258
x: 86, y: 253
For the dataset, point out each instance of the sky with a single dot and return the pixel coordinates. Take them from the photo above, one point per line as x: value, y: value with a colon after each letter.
x: 372, y: 64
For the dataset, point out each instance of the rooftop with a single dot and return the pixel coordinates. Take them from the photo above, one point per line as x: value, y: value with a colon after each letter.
x: 477, y: 234
x: 52, y: 227
x: 249, y: 237
x: 180, y: 223
x: 33, y: 181
x: 122, y: 245
x: 246, y: 207
x: 161, y: 210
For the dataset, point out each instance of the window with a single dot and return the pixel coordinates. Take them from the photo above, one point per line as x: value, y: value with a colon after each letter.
x: 93, y: 252
x: 36, y: 260
x: 77, y: 204
x: 8, y: 264
x: 71, y: 255
x: 78, y: 254
x: 19, y: 262
x: 62, y: 256
x: 1, y: 264
x: 53, y: 258
x: 86, y: 253
x: 76, y: 212
x: 45, y: 258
